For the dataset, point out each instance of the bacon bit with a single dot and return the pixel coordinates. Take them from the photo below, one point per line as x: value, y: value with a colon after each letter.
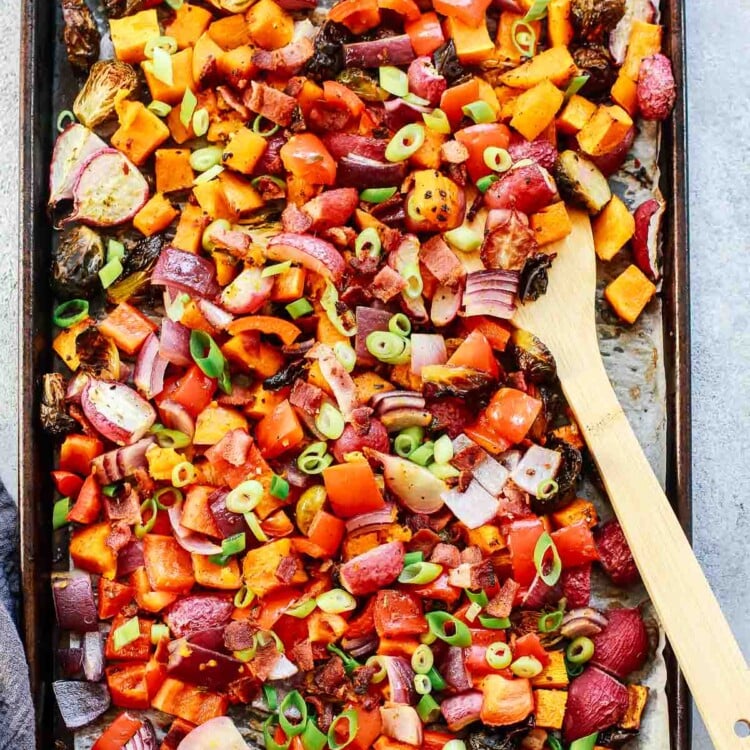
x: 241, y: 395
x: 301, y: 654
x: 323, y: 710
x: 424, y: 540
x: 287, y: 568
x: 450, y: 414
x: 144, y: 481
x: 460, y: 175
x: 306, y: 397
x: 453, y: 152
x: 272, y: 104
x: 269, y: 190
x: 119, y: 536
x: 233, y: 447
x: 501, y: 604
x: 361, y: 419
x: 232, y: 241
x: 469, y: 458
x: 262, y: 664
x: 447, y: 555
x: 513, y: 503
x: 464, y: 480
x: 239, y: 635
x: 327, y: 118
x: 340, y: 236
x: 361, y: 678
x: 331, y: 676
x: 294, y: 219
x: 387, y: 284
x: 243, y: 690
x: 471, y: 555
x: 233, y: 101
x: 286, y: 60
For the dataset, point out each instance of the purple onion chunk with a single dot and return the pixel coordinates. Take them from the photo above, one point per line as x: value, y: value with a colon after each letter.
x: 74, y: 602
x: 80, y: 703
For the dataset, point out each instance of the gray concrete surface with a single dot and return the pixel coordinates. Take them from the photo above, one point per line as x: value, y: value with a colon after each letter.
x: 719, y: 91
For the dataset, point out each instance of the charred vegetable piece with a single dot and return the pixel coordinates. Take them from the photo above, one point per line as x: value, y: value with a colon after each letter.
x: 80, y: 35
x: 95, y: 102
x: 581, y: 183
x: 120, y: 8
x: 448, y: 65
x: 532, y: 357
x: 98, y: 355
x: 448, y: 380
x: 328, y: 59
x: 567, y: 478
x: 595, y: 61
x: 142, y: 255
x: 534, y: 278
x: 52, y: 413
x: 594, y: 18
x: 76, y: 263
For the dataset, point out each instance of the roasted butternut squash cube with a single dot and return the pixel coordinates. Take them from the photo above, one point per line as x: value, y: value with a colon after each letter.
x: 644, y: 41
x: 579, y: 511
x: 559, y: 27
x: 629, y: 293
x: 155, y: 216
x: 237, y: 66
x: 230, y: 32
x: 555, y: 63
x: 263, y: 402
x: 140, y: 133
x: 241, y: 196
x: 182, y: 78
x: 637, y: 699
x: 213, y: 576
x: 576, y: 113
x: 506, y: 48
x: 368, y: 384
x: 206, y: 56
x: 625, y: 93
x: 130, y: 34
x: 173, y: 170
x: 269, y: 25
x: 260, y: 565
x: 187, y: 24
x: 613, y: 228
x: 473, y: 43
x: 243, y: 151
x: 605, y: 131
x: 211, y: 199
x: 554, y: 675
x: 535, y: 109
x: 190, y: 229
x: 549, y: 708
x: 216, y: 421
x: 551, y: 224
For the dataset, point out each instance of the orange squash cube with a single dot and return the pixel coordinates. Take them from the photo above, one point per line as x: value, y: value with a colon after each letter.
x: 243, y: 151
x: 613, y: 228
x: 130, y: 34
x: 188, y: 24
x: 140, y: 133
x: 629, y: 293
x: 269, y: 25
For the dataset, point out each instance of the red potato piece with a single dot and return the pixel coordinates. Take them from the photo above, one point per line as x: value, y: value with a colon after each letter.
x: 372, y: 570
x: 311, y: 252
x: 509, y: 243
x: 248, y: 292
x: 287, y: 60
x: 610, y: 162
x: 539, y: 150
x: 595, y: 701
x: 645, y: 242
x: 442, y: 262
x: 614, y: 554
x: 116, y: 411
x: 657, y: 90
x: 622, y: 647
x: 191, y: 614
x: 527, y: 189
x: 73, y: 148
x: 331, y: 209
x: 425, y: 81
x: 375, y: 437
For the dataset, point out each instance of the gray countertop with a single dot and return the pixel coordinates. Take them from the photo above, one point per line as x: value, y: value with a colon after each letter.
x: 719, y: 156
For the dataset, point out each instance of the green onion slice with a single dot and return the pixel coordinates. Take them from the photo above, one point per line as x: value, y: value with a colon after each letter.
x: 479, y: 111
x: 546, y: 489
x: 247, y: 653
x: 279, y: 487
x: 71, y: 312
x: 367, y: 244
x: 141, y: 529
x: 554, y: 743
x: 580, y: 650
x: 524, y: 38
x: 275, y: 180
x: 400, y: 325
x: 110, y: 490
x: 315, y: 458
x: 494, y: 623
x: 276, y: 269
x: 585, y: 743
x: 550, y: 621
x: 418, y: 100
x: 336, y: 601
x: 312, y: 737
x: 159, y: 631
x: 210, y: 174
x: 388, y: 347
x: 258, y: 125
x: 269, y: 730
x: 176, y: 494
x: 160, y: 109
x: 187, y: 108
x: 64, y: 119
x: 346, y: 355
x: 411, y: 274
x: 350, y: 663
x: 329, y: 421
x: 438, y: 683
x: 420, y: 573
x: 405, y: 143
x: 422, y: 659
x: 575, y: 85
x: 573, y: 670
x: 110, y: 272
x: 413, y: 557
x: 160, y: 66
x: 464, y: 239
x: 294, y: 701
x: 545, y: 545
x: 422, y: 684
x: 498, y: 655
x: 407, y: 440
x: 393, y: 80
x: 128, y: 632
x: 428, y: 709
x: 243, y: 598
x: 201, y: 121
x: 170, y: 438
x: 454, y: 745
x: 484, y: 183
x: 329, y: 301
x: 202, y: 159
x: 60, y: 512
x: 254, y: 524
x: 302, y: 610
x: 423, y: 454
x: 437, y: 120
x: 536, y: 11
x: 497, y: 159
x: 377, y: 662
x: 245, y: 496
x: 271, y: 697
x: 438, y: 621
x: 443, y: 471
x: 167, y: 44
x: 526, y: 666
x: 206, y: 354
x: 478, y: 597
x: 377, y: 195
x: 115, y: 249
x: 443, y: 449
x: 299, y: 308
x: 350, y: 717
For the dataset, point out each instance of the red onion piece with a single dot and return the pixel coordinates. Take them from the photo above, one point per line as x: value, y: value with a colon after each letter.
x: 221, y: 732
x: 537, y: 466
x: 446, y: 303
x: 93, y: 655
x: 75, y: 387
x: 311, y: 252
x: 185, y: 272
x: 369, y: 319
x: 174, y: 345
x: 143, y: 739
x: 189, y: 540
x: 355, y: 170
x: 400, y: 679
x: 379, y: 398
x: 80, y: 703
x: 150, y: 368
x: 360, y: 647
x: 227, y: 522
x: 348, y: 144
x: 73, y: 597
x: 130, y: 558
x: 427, y: 349
x: 73, y: 148
x: 70, y: 661
x: 382, y: 517
x: 401, y: 723
x: 622, y: 647
x: 217, y: 317
x: 584, y: 621
x: 541, y: 594
x: 339, y: 380
x: 453, y: 669
x: 392, y: 50
x: 399, y: 112
x: 461, y: 710
x: 474, y: 507
x: 595, y: 701
x: 482, y: 281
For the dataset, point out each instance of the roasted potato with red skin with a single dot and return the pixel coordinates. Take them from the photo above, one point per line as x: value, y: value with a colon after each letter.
x: 656, y: 88
x: 646, y: 238
x: 425, y: 81
x: 375, y: 437
x: 373, y: 570
x: 527, y: 189
x: 332, y: 208
x: 435, y: 203
x: 610, y: 162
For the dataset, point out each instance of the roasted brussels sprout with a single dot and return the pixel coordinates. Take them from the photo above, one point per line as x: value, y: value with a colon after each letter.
x: 80, y: 34
x: 286, y: 376
x: 99, y: 355
x: 594, y: 18
x: 505, y: 738
x: 95, y: 102
x: 615, y: 737
x: 567, y: 477
x: 580, y: 182
x: 447, y: 380
x: 52, y: 413
x: 120, y: 8
x: 534, y: 278
x: 328, y: 58
x: 362, y: 84
x: 448, y: 65
x: 142, y: 255
x: 532, y: 357
x: 76, y: 263
x: 595, y: 61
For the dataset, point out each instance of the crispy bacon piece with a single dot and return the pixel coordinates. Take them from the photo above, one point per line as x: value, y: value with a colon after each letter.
x: 442, y: 262
x: 119, y: 537
x: 239, y: 635
x: 301, y: 654
x: 287, y: 60
x: 262, y: 664
x: 125, y: 507
x: 233, y: 101
x: 387, y: 284
x: 447, y: 555
x: 501, y: 604
x: 306, y: 397
x: 331, y: 676
x: 274, y: 105
x: 286, y: 569
x: 294, y: 219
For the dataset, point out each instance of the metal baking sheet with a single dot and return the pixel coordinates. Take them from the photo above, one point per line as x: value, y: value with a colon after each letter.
x: 47, y: 86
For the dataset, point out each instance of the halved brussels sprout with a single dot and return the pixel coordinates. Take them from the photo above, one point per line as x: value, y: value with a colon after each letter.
x: 95, y: 102
x: 532, y: 357
x: 76, y: 263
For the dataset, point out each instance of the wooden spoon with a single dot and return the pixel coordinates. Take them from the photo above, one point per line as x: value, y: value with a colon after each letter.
x: 709, y: 656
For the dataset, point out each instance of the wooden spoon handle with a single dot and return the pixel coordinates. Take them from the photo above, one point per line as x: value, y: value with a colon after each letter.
x: 707, y: 651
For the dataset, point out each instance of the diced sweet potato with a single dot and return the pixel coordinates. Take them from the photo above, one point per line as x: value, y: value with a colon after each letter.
x: 559, y: 27
x: 576, y: 113
x: 214, y: 576
x: 629, y: 293
x: 140, y: 133
x: 551, y: 223
x: 549, y: 708
x: 637, y: 699
x: 555, y: 63
x: 206, y: 56
x: 269, y: 26
x: 473, y: 43
x: 535, y: 109
x: 625, y: 93
x: 130, y: 34
x: 506, y: 48
x: 605, y: 131
x: 182, y: 78
x: 369, y: 384
x: 645, y: 40
x: 187, y: 25
x: 612, y: 229
x: 241, y: 196
x: 554, y: 675
x: 243, y: 151
x: 173, y: 170
x: 579, y: 511
x: 230, y: 32
x: 505, y: 701
x: 155, y: 216
x: 211, y: 199
x: 260, y: 565
x: 190, y: 229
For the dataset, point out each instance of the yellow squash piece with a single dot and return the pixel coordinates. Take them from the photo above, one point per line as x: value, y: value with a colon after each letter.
x: 629, y: 293
x: 613, y: 228
x: 605, y: 131
x: 535, y: 109
x: 555, y: 63
x: 130, y: 34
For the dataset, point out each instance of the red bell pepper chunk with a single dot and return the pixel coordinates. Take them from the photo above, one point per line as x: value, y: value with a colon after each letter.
x: 511, y: 413
x: 522, y: 539
x: 352, y: 489
x: 425, y: 33
x: 327, y: 532
x: 479, y: 137
x: 530, y: 645
x: 117, y: 734
x: 194, y: 391
x: 398, y: 613
x: 77, y: 452
x: 113, y: 596
x: 342, y: 97
x: 575, y: 545
x: 475, y: 656
x: 279, y: 431
x: 475, y: 352
x: 471, y: 12
x: 89, y: 503
x: 456, y: 97
x: 127, y: 685
x: 67, y: 483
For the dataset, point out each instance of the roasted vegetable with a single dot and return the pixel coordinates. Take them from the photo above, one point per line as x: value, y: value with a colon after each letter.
x: 448, y: 65
x: 98, y: 355
x: 76, y: 263
x: 120, y: 8
x: 328, y: 59
x: 80, y: 34
x: 362, y: 84
x: 52, y: 413
x: 594, y: 18
x: 532, y: 357
x: 507, y: 738
x: 534, y: 278
x: 581, y: 183
x: 95, y: 102
x: 567, y: 478
x: 595, y: 61
x: 447, y: 380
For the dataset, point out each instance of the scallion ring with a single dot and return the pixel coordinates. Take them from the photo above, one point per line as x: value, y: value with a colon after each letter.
x: 279, y: 487
x: 423, y: 454
x: 314, y: 459
x: 437, y: 622
x: 243, y: 598
x: 526, y: 666
x: 580, y: 650
x: 437, y: 121
x: 276, y: 269
x: 344, y: 322
x: 110, y: 490
x: 60, y: 512
x: 413, y: 557
x: 443, y: 471
x: 248, y: 653
x: 379, y: 664
x: 346, y: 355
x: 71, y: 312
x: 245, y: 496
x: 128, y: 632
x: 295, y: 704
x: 405, y: 143
x: 407, y: 440
x: 166, y: 43
x: 171, y: 438
x: 537, y: 11
x: 472, y: 612
x: 302, y: 610
x: 299, y: 308
x: 422, y: 684
x: 443, y: 449
x: 546, y: 489
x: 176, y: 494
x: 312, y: 738
x: 498, y: 655
x: 454, y: 745
x: 206, y: 354
x: 141, y: 529
x: 367, y: 244
x: 377, y: 195
x: 575, y: 85
x: 585, y: 743
x: 420, y: 573
x: 336, y: 601
x: 388, y: 347
x: 174, y: 4
x: 210, y: 174
x: 64, y: 120
x: 349, y: 716
x: 201, y: 121
x: 497, y: 159
x: 524, y: 38
x: 413, y: 278
x: 479, y: 111
x: 550, y: 621
x: 110, y: 272
x: 202, y: 159
x: 393, y: 80
x: 184, y: 474
x: 494, y: 623
x: 269, y: 732
x: 254, y: 524
x: 554, y: 743
x: 550, y: 575
x: 437, y: 680
x: 428, y: 709
x: 258, y: 125
x: 422, y: 659
x: 478, y: 597
x: 400, y: 325
x: 329, y: 421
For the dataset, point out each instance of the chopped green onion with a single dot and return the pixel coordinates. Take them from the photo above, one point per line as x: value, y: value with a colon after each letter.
x: 159, y: 632
x: 315, y: 458
x: 524, y: 38
x: 187, y: 108
x: 184, y: 474
x: 302, y: 610
x: 60, y: 512
x: 478, y: 597
x: 498, y: 655
x: 554, y: 743
x: 580, y: 650
x: 443, y: 471
x: 550, y: 622
x: 382, y: 672
x: 170, y: 438
x: 418, y: 100
x: 299, y: 308
x: 454, y: 745
x: 329, y: 421
x: 479, y: 111
x: 585, y: 743
x: 336, y: 601
x: 115, y: 249
x: 160, y: 109
x: 71, y: 312
x: 546, y: 489
x: 413, y: 278
x: 271, y: 697
x: 245, y: 496
x: 127, y: 633
x: 464, y: 239
x: 484, y: 183
x: 407, y: 440
x: 230, y: 546
x: 497, y: 159
x: 536, y: 11
x: 367, y: 244
x: 400, y: 325
x: 254, y: 524
x: 377, y: 195
x: 543, y: 546
x: 413, y: 557
x: 312, y: 738
x: 206, y: 354
x: 159, y: 494
x: 110, y: 490
x: 201, y: 121
x: 437, y: 121
x: 202, y: 159
x: 279, y: 487
x: 437, y: 622
x: 269, y: 730
x: 526, y: 666
x: 293, y: 700
x: 350, y: 716
x: 393, y: 80
x: 276, y: 269
x: 210, y: 174
x: 422, y: 659
x: 438, y: 683
x: 243, y: 598
x: 167, y: 44
x: 346, y: 355
x: 329, y: 301
x: 263, y: 639
x: 110, y: 272
x: 494, y: 623
x: 420, y: 573
x: 405, y: 143
x: 423, y: 454
x: 160, y: 66
x: 141, y: 529
x: 64, y: 119
x: 422, y: 684
x: 257, y: 125
x: 428, y: 709
x: 350, y: 663
x: 573, y: 670
x: 473, y: 610
x: 388, y: 347
x: 443, y: 449
x: 575, y: 85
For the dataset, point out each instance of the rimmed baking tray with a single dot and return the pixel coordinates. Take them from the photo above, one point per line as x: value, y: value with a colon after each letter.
x: 47, y: 86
